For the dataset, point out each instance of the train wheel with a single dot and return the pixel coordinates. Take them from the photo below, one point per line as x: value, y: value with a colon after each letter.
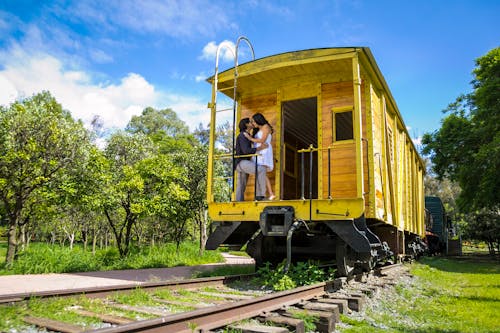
x: 262, y: 249
x: 368, y: 265
x: 345, y: 259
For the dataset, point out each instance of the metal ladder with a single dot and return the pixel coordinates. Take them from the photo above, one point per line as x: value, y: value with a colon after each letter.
x: 213, y: 106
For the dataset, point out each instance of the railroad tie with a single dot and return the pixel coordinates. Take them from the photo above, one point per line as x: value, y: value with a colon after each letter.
x: 341, y: 303
x: 254, y: 328
x: 296, y: 324
x: 117, y: 320
x: 325, y: 322
x: 141, y: 309
x: 354, y: 303
x: 316, y: 306
x: 54, y: 325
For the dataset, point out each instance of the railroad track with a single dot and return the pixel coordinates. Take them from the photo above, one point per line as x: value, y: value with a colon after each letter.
x: 220, y: 306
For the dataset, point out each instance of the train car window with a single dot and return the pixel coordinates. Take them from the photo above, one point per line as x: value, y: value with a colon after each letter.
x: 343, y: 124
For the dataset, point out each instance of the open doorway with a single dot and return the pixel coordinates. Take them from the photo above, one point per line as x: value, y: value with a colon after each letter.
x: 300, y: 131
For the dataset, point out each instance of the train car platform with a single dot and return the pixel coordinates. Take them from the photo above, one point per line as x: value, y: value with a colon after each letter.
x: 31, y: 283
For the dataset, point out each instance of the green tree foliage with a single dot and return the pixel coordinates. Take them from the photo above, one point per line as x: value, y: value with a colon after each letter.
x: 194, y: 162
x: 202, y: 134
x: 39, y: 142
x: 447, y: 190
x: 466, y: 148
x: 164, y: 128
x: 484, y: 226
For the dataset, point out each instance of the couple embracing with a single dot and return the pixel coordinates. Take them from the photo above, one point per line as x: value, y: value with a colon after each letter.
x: 247, y: 144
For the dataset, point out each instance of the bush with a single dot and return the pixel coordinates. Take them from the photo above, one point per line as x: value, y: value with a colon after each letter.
x: 300, y: 274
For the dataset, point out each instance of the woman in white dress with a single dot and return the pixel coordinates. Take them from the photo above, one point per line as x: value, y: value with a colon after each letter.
x: 265, y: 158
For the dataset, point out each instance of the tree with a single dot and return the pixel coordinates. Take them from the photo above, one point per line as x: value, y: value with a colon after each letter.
x: 194, y: 163
x: 466, y: 148
x: 164, y: 128
x: 124, y: 187
x: 39, y: 141
x: 187, y: 152
x: 202, y: 134
x: 141, y: 184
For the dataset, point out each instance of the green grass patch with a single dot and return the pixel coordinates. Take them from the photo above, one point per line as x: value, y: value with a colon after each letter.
x: 3, y: 252
x: 446, y: 295
x: 41, y: 258
x: 309, y: 320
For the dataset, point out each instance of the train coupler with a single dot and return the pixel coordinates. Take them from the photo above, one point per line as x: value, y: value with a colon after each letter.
x: 275, y: 221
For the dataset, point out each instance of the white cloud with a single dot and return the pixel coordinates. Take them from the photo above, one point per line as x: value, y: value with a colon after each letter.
x: 209, y: 51
x: 175, y: 18
x: 100, y: 57
x: 24, y: 75
x: 8, y: 92
x: 192, y: 110
x: 201, y: 77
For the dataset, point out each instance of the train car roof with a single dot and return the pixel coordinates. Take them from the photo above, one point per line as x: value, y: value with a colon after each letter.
x: 271, y: 70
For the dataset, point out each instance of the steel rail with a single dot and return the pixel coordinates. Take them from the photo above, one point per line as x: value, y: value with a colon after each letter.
x: 202, y: 320
x: 96, y: 292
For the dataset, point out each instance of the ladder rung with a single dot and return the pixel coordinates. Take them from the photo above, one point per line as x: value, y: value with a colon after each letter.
x: 226, y: 88
x: 223, y: 110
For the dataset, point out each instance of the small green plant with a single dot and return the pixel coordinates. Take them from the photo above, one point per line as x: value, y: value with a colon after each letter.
x: 192, y: 326
x: 309, y: 320
x: 300, y: 274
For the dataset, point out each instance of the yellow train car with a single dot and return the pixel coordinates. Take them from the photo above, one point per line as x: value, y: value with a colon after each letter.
x: 347, y: 177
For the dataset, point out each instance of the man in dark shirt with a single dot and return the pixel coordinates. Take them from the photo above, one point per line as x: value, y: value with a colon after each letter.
x: 246, y: 165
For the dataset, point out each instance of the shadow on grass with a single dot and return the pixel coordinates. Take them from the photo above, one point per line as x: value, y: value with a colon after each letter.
x: 478, y: 299
x: 426, y: 330
x: 477, y: 264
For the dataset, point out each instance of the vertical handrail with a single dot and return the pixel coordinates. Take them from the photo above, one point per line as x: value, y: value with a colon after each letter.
x: 255, y: 181
x: 213, y: 107
x: 310, y: 181
x: 329, y: 176
x: 367, y: 165
x: 302, y: 177
x: 235, y: 82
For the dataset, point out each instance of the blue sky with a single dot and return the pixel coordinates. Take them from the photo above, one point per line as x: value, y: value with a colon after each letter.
x: 113, y: 58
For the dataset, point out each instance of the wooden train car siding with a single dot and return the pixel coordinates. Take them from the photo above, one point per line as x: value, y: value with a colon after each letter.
x: 379, y: 164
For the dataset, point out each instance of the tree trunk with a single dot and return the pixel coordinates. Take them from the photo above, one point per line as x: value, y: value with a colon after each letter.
x: 22, y: 239
x: 71, y: 239
x: 203, y: 232
x: 94, y: 242
x: 12, y: 241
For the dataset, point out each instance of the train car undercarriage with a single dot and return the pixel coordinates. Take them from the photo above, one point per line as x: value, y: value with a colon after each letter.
x: 349, y: 243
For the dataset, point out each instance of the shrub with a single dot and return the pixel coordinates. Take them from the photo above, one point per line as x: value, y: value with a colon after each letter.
x: 300, y: 274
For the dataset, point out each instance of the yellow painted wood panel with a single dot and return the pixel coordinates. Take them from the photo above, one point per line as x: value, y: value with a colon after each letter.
x: 343, y: 156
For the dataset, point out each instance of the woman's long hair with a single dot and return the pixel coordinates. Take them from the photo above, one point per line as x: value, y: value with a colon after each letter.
x: 261, y: 120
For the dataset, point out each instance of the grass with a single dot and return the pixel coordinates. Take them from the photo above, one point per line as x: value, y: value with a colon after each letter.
x: 447, y: 296
x: 43, y: 258
x: 3, y: 252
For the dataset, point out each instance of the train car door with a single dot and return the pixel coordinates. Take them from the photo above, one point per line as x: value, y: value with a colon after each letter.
x: 300, y: 131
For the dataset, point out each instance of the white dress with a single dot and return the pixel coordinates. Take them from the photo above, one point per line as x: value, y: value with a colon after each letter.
x: 266, y: 155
